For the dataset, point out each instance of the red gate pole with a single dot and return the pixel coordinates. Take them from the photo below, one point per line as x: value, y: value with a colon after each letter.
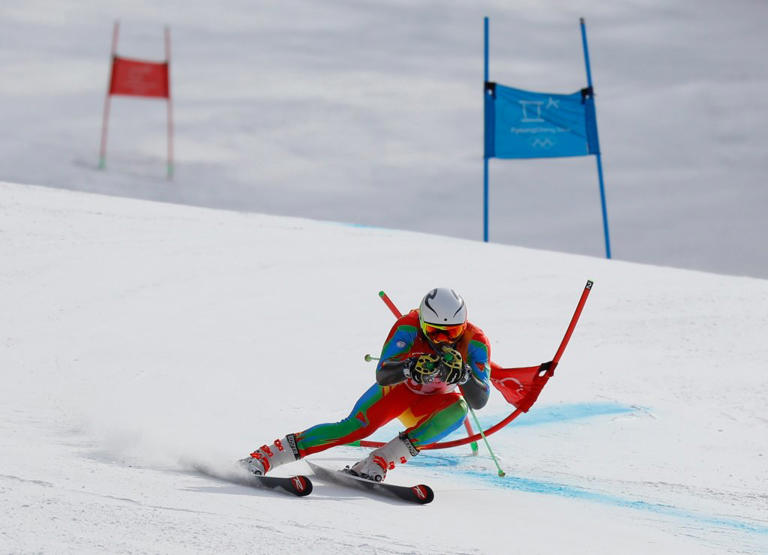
x: 574, y: 320
x: 390, y: 304
x: 470, y: 433
x: 170, y: 102
x: 105, y: 119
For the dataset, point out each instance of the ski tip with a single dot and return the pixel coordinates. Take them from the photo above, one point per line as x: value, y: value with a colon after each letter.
x: 423, y: 494
x: 301, y: 485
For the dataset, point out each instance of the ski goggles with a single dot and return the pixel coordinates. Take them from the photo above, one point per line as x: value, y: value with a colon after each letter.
x: 443, y: 334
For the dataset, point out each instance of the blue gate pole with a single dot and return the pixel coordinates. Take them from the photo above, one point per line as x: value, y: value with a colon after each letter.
x: 597, y: 156
x: 485, y: 156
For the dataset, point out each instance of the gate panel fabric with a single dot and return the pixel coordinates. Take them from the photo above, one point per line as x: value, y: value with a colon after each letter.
x: 526, y: 124
x: 139, y: 78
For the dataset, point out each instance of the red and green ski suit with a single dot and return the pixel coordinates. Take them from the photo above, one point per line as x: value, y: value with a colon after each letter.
x: 428, y: 411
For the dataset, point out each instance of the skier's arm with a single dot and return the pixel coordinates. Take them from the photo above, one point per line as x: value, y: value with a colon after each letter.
x: 476, y: 391
x: 391, y: 372
x: 394, y: 354
x: 477, y: 388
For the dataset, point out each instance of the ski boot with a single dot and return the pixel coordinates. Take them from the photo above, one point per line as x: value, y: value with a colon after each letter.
x: 374, y: 467
x: 267, y: 457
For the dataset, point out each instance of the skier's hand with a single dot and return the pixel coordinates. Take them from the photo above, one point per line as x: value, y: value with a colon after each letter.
x: 452, y: 367
x: 451, y: 358
x: 422, y: 368
x: 456, y: 375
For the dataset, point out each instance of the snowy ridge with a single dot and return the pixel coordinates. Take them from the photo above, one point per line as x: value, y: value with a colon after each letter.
x: 137, y: 335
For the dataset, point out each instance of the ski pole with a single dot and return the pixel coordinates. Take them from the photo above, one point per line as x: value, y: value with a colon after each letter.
x: 485, y: 439
x: 369, y: 358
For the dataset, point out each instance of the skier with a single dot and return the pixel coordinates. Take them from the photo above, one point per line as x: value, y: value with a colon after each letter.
x: 427, y: 354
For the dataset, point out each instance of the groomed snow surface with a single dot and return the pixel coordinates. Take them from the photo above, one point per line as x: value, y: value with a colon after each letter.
x: 138, y: 338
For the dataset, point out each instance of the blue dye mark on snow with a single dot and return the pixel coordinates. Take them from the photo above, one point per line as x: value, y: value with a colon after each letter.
x: 537, y: 416
x: 549, y: 414
x: 565, y: 490
x: 555, y: 414
x: 529, y: 485
x: 558, y: 414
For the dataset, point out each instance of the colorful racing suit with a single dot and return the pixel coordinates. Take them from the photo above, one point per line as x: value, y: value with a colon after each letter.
x: 429, y: 411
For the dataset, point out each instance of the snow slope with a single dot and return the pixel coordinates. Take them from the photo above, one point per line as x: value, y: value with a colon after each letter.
x: 333, y: 110
x: 138, y: 336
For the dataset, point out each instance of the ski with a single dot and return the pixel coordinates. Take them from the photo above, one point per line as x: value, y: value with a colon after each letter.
x: 297, y: 485
x: 421, y: 494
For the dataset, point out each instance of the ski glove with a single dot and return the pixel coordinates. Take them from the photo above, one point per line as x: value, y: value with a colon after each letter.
x: 422, y: 368
x: 452, y: 367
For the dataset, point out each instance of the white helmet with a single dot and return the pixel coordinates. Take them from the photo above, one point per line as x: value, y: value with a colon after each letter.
x: 443, y: 315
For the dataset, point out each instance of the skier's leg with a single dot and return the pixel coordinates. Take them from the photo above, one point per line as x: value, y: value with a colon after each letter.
x: 374, y: 467
x: 434, y: 417
x: 376, y: 407
x: 437, y: 419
